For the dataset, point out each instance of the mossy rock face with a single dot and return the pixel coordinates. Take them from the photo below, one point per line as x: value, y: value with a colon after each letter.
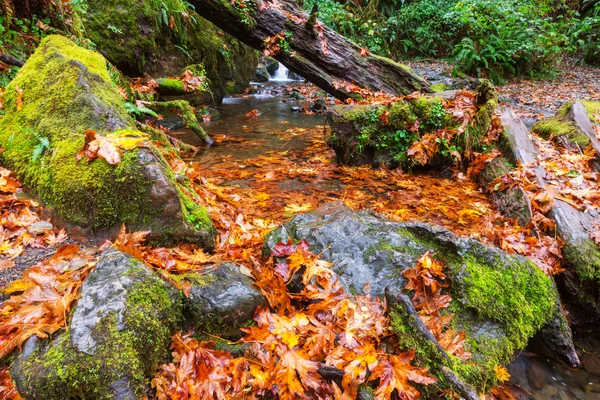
x: 572, y: 125
x: 499, y: 300
x: 378, y: 134
x: 137, y: 37
x: 67, y: 90
x: 120, y: 331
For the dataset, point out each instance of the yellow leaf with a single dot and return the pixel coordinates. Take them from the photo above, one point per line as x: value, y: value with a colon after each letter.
x: 501, y: 373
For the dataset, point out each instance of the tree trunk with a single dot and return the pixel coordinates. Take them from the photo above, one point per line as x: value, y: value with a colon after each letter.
x: 309, y: 48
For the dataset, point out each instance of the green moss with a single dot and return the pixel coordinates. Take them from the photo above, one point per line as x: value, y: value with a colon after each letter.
x: 57, y: 109
x: 560, y: 126
x: 503, y: 303
x: 439, y: 87
x: 64, y: 372
x: 584, y: 258
x: 388, y: 142
x: 173, y: 86
x: 66, y: 91
x: 472, y: 138
x: 593, y: 109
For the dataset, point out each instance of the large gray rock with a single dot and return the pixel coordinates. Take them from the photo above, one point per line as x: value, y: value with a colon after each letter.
x: 120, y: 330
x: 499, y: 300
x: 224, y: 302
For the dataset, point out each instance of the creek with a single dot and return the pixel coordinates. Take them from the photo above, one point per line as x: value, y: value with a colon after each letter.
x: 275, y: 150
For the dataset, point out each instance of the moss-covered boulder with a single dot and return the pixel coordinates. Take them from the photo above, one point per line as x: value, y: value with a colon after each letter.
x: 120, y: 330
x: 161, y: 38
x: 572, y: 126
x: 499, y: 300
x: 385, y: 134
x: 62, y: 91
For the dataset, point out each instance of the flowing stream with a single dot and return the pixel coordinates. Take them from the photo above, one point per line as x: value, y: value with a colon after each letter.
x: 535, y: 375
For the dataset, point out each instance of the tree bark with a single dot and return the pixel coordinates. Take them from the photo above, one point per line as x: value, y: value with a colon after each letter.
x: 317, y: 53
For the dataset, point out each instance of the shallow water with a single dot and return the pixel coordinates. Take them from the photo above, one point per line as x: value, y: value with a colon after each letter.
x: 279, y: 131
x: 536, y: 375
x: 260, y: 134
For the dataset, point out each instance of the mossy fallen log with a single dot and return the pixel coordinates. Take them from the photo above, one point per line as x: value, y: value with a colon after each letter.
x: 580, y: 253
x: 62, y: 91
x: 571, y: 127
x: 391, y: 134
x: 185, y: 110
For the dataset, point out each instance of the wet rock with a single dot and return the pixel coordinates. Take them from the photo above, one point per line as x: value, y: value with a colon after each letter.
x: 120, y: 330
x: 262, y: 74
x: 295, y: 94
x: 146, y: 45
x: 223, y: 302
x: 295, y: 109
x: 294, y: 76
x: 499, y: 300
x: 170, y: 121
x: 271, y: 64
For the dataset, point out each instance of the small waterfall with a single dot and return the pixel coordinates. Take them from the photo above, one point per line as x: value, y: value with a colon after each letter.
x: 281, y: 75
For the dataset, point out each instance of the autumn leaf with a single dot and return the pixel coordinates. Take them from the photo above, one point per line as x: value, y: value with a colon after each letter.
x: 297, y: 208
x: 252, y: 114
x: 19, y: 100
x: 501, y: 373
x: 364, y: 52
x: 395, y: 374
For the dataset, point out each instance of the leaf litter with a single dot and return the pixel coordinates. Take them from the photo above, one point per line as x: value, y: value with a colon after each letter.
x: 302, y: 333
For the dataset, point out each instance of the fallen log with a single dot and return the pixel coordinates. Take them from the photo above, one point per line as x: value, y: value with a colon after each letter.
x: 315, y: 52
x: 9, y: 60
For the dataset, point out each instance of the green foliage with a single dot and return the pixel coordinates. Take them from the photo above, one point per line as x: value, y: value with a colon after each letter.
x: 370, y: 33
x: 503, y: 39
x: 18, y: 37
x: 585, y: 36
x: 486, y: 38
